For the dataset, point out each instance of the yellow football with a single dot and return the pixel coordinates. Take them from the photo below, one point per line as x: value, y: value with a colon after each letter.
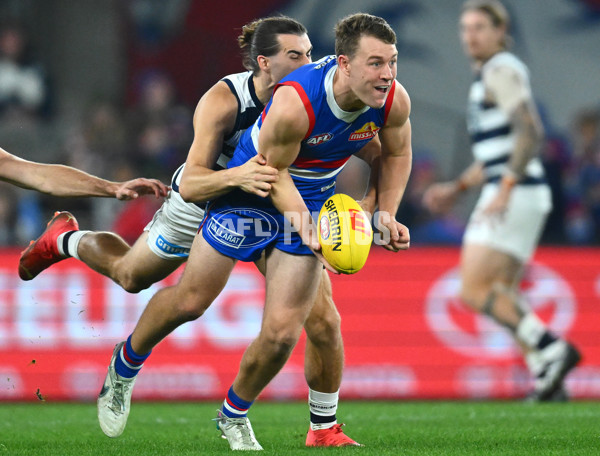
x: 345, y: 234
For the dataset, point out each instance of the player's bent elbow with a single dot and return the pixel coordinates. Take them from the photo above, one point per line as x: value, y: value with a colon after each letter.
x: 185, y: 192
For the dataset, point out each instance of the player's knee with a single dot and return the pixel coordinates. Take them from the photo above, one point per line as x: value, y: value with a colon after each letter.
x: 278, y: 344
x: 133, y: 284
x: 129, y: 277
x: 191, y: 304
x: 324, y: 330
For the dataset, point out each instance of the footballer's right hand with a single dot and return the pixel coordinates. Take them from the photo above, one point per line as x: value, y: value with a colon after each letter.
x: 311, y: 240
x: 255, y: 176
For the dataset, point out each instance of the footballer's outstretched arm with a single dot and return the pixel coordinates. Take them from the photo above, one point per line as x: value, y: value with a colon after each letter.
x: 65, y: 181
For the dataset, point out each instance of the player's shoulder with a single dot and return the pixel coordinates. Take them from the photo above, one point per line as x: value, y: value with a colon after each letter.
x: 323, y: 62
x: 401, y: 95
x: 505, y: 63
x: 221, y: 100
x: 307, y: 74
x: 401, y: 105
x: 238, y: 83
x: 287, y: 110
x: 287, y: 102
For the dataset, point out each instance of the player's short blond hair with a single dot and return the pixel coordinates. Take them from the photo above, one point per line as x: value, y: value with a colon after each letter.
x: 497, y: 13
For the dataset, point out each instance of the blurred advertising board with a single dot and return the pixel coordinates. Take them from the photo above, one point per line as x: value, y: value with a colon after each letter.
x: 406, y: 334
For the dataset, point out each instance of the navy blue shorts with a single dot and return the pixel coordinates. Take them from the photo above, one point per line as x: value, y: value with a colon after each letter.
x: 241, y: 226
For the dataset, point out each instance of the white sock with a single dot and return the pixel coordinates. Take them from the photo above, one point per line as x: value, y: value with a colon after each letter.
x: 530, y: 330
x: 72, y: 243
x: 322, y: 405
x: 534, y: 362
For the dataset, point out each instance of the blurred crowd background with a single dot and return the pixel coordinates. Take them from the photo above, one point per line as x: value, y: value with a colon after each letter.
x: 110, y: 87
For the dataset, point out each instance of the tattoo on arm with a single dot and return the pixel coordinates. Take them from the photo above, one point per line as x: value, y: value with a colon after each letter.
x: 528, y: 131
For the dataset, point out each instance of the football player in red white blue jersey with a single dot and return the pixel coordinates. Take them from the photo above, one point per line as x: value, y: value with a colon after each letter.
x: 272, y: 48
x: 318, y: 116
x: 328, y: 144
x: 325, y: 147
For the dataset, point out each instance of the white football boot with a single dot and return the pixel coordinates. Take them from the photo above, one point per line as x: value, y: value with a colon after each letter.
x: 114, y: 400
x: 238, y: 432
x: 550, y: 366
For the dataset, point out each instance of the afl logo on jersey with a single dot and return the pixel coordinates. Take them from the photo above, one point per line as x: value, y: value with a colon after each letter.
x: 319, y: 139
x: 368, y: 131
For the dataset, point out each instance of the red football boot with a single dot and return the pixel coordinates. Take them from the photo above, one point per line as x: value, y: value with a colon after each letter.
x: 43, y: 252
x: 332, y: 437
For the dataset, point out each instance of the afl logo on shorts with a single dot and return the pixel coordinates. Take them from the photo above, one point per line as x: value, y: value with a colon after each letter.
x: 478, y: 336
x: 242, y: 228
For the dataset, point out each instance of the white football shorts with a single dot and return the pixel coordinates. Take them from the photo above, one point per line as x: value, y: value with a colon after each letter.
x: 518, y: 231
x: 174, y: 226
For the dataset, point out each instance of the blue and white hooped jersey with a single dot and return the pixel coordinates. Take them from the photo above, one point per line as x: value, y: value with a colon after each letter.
x: 249, y: 109
x: 333, y: 136
x: 492, y: 138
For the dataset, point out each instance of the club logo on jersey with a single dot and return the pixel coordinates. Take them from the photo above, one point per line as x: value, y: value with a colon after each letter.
x: 319, y: 139
x: 367, y: 131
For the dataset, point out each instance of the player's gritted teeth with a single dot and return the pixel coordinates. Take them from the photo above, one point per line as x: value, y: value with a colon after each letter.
x: 382, y: 89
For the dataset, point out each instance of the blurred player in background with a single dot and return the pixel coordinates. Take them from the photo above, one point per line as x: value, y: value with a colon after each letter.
x: 65, y: 181
x: 349, y: 99
x: 272, y: 48
x: 506, y: 224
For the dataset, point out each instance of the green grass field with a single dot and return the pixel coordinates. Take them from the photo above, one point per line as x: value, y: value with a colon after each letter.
x: 396, y: 428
